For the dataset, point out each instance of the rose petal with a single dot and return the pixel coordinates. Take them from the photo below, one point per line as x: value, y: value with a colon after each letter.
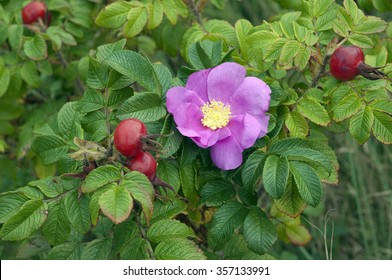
x: 227, y: 154
x: 224, y: 80
x: 263, y: 120
x: 197, y: 82
x: 246, y: 129
x: 252, y: 97
x: 180, y: 95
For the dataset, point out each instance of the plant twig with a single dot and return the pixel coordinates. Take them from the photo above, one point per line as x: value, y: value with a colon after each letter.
x: 196, y: 13
x: 321, y: 72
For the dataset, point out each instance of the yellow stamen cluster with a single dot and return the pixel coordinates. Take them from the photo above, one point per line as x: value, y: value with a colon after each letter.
x: 216, y: 114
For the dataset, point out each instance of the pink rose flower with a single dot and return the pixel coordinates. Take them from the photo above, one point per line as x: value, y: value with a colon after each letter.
x: 222, y: 109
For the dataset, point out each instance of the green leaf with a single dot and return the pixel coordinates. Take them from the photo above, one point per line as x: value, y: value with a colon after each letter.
x: 98, y: 75
x: 50, y: 148
x: 116, y: 203
x: 5, y: 77
x: 308, y: 155
x: 307, y: 181
x: 140, y: 188
x: 320, y: 7
x: 361, y: 124
x: 297, y: 125
x: 104, y: 51
x: 382, y: 104
x: 173, y: 9
x: 347, y: 107
x: 325, y: 21
x: 98, y: 249
x: 155, y: 14
x: 10, y: 203
x: 178, y: 249
x: 298, y: 234
x: 259, y: 232
x: 100, y: 177
x: 291, y: 202
x: 283, y: 145
x: 137, y: 19
x: 147, y: 107
x: 35, y: 48
x: 371, y: 25
x: 27, y: 220
x: 360, y: 40
x: 289, y: 51
x: 91, y: 100
x: 214, y: 193
x: 78, y: 211
x: 113, y: 15
x: 136, y: 67
x: 169, y: 173
x: 302, y: 58
x: 172, y: 139
x: 137, y: 249
x: 68, y: 121
x: 228, y: 218
x: 167, y: 229
x: 66, y: 251
x: 57, y: 226
x: 167, y: 210
x: 275, y: 175
x: 29, y: 74
x: 252, y: 171
x: 382, y: 128
x: 188, y: 182
x: 314, y: 111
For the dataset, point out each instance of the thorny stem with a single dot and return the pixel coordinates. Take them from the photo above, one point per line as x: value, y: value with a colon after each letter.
x: 196, y: 13
x: 321, y: 72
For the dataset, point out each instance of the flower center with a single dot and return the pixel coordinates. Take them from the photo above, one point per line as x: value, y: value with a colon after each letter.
x: 216, y: 114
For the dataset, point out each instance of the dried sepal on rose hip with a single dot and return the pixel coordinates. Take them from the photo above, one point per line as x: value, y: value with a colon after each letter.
x: 34, y: 11
x: 347, y: 62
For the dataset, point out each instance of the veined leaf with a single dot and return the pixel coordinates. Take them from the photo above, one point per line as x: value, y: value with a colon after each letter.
x: 50, y: 148
x: 253, y: 169
x: 57, y: 227
x: 347, y: 107
x: 36, y: 48
x: 137, y: 249
x: 137, y: 19
x: 382, y: 128
x: 360, y: 40
x: 99, y: 177
x: 297, y: 125
x: 291, y: 202
x: 259, y: 232
x: 314, y: 111
x: 308, y: 155
x: 155, y: 14
x: 229, y: 217
x: 65, y: 251
x: 147, y: 107
x: 116, y: 203
x: 178, y: 249
x: 382, y: 104
x: 283, y: 145
x: 214, y: 193
x: 10, y: 203
x: 23, y: 223
x: 361, y: 124
x: 113, y: 15
x: 275, y: 175
x: 298, y: 234
x: 140, y: 188
x: 91, y: 100
x: 98, y: 249
x: 78, y: 211
x: 307, y: 181
x: 68, y: 121
x: 167, y: 210
x: 167, y: 229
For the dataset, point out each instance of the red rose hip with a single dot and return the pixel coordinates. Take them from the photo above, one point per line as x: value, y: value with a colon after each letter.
x: 33, y: 11
x: 145, y: 163
x: 345, y: 62
x: 127, y: 137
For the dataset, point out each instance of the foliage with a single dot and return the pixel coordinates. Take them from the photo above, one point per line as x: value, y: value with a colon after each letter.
x: 64, y: 88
